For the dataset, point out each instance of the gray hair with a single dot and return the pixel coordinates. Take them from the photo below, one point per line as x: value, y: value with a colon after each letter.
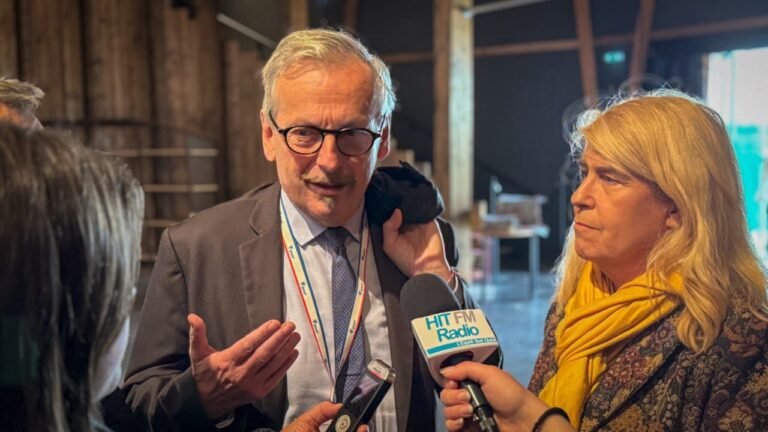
x: 326, y: 46
x: 20, y: 96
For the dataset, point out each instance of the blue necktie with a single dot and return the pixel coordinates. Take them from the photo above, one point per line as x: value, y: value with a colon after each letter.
x: 343, y: 281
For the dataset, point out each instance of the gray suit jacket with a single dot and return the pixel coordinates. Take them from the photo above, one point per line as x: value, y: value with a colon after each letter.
x: 225, y: 264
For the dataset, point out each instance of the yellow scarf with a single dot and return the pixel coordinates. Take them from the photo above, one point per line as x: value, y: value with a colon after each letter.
x: 595, y: 322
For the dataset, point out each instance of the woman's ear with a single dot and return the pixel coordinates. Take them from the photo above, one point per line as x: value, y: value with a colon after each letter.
x: 673, y: 218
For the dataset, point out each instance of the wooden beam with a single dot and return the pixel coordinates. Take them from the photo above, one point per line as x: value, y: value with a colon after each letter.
x: 454, y: 105
x: 351, y: 11
x: 9, y: 60
x: 408, y: 57
x: 740, y: 24
x: 640, y: 45
x: 298, y: 15
x: 180, y: 188
x: 527, y: 48
x: 166, y: 152
x: 586, y: 51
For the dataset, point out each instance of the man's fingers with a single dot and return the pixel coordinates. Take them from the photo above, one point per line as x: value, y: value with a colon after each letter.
x: 280, y: 357
x: 269, y: 348
x: 245, y: 347
x: 394, y: 222
x: 198, y: 338
x: 275, y: 378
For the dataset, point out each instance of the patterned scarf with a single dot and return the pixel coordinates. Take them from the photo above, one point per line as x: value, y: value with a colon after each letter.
x: 595, y: 327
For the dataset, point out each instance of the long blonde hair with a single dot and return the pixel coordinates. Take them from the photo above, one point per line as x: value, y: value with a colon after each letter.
x: 682, y: 148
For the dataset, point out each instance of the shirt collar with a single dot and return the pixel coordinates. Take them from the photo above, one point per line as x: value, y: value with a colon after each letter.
x: 305, y: 229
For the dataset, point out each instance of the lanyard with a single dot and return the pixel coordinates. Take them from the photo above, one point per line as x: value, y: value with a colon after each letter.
x: 298, y: 268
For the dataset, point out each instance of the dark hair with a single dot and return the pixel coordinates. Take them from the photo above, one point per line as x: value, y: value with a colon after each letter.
x: 70, y: 222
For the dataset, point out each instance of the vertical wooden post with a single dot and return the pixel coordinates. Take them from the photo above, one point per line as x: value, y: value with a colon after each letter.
x: 247, y: 166
x: 52, y: 58
x: 453, y: 149
x: 117, y: 71
x: 586, y: 51
x: 298, y: 15
x: 9, y: 61
x: 350, y: 14
x: 187, y: 77
x: 640, y: 45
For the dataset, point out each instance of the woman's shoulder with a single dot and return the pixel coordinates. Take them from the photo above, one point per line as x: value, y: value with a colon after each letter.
x: 744, y: 335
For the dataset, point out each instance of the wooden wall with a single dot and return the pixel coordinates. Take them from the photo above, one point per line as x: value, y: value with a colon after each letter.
x: 146, y: 81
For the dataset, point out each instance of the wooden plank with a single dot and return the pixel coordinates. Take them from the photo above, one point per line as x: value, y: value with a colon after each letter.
x: 407, y: 57
x: 246, y: 165
x: 454, y: 106
x: 351, y: 11
x: 298, y: 15
x: 587, y: 63
x: 640, y: 44
x: 256, y: 168
x: 185, y: 188
x: 51, y: 55
x: 742, y: 24
x: 704, y: 29
x: 206, y: 113
x: 170, y: 79
x: 527, y: 48
x: 118, y: 74
x: 9, y: 60
x: 144, y: 152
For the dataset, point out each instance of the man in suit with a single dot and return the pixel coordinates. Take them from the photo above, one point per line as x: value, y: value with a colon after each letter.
x: 282, y: 253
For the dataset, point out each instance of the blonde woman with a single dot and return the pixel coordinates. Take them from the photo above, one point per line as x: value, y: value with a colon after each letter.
x: 659, y: 322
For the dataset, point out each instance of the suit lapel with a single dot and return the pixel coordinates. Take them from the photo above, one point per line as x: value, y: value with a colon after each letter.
x: 261, y: 264
x: 632, y: 368
x: 400, y: 339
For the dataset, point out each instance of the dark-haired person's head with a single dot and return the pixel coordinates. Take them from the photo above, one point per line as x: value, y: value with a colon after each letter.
x: 70, y: 232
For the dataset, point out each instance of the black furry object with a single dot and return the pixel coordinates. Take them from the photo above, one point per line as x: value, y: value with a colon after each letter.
x: 405, y: 188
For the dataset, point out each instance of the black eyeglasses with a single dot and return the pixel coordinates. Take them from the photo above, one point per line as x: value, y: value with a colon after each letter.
x: 307, y: 140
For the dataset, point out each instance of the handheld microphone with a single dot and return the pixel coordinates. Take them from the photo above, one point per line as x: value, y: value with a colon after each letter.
x: 448, y: 335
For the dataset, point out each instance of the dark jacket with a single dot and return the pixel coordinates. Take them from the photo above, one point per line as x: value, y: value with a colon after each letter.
x: 225, y: 264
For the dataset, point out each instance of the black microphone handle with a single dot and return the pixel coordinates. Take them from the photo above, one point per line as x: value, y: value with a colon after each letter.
x: 483, y: 413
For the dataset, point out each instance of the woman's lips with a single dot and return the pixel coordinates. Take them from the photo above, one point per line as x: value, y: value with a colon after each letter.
x: 582, y: 225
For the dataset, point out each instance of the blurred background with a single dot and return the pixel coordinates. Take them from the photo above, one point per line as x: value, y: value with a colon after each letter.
x: 488, y: 91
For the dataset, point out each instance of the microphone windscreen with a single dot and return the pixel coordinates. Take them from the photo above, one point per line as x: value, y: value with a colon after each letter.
x: 426, y: 294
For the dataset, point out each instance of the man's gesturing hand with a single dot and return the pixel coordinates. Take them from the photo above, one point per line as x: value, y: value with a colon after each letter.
x: 244, y: 372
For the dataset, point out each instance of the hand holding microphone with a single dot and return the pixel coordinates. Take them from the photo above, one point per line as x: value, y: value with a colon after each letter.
x: 448, y: 336
x: 515, y: 408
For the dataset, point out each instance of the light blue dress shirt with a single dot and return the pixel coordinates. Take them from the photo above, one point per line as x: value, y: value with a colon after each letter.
x: 308, y: 382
